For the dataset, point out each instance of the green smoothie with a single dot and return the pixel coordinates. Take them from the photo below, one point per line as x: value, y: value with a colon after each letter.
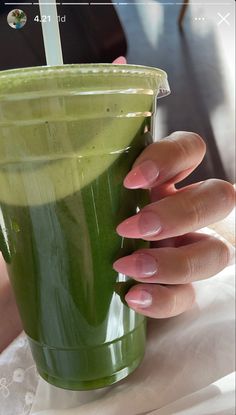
x: 68, y: 137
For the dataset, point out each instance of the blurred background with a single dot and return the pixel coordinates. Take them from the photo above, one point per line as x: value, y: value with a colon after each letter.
x: 198, y: 55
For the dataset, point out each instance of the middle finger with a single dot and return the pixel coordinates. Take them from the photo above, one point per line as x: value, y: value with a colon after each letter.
x: 185, y: 211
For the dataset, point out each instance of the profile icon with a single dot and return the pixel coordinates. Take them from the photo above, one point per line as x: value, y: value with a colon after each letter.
x: 16, y: 18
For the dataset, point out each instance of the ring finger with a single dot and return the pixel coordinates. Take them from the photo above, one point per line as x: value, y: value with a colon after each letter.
x: 178, y: 265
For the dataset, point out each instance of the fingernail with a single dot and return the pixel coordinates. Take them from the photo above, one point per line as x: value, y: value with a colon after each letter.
x: 136, y: 265
x: 142, y: 224
x: 142, y: 175
x: 149, y: 224
x: 121, y: 60
x: 139, y: 298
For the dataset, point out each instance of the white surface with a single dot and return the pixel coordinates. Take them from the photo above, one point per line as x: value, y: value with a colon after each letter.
x: 187, y: 370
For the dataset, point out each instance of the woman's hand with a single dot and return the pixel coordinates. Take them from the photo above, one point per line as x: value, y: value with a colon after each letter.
x: 10, y: 324
x: 180, y: 255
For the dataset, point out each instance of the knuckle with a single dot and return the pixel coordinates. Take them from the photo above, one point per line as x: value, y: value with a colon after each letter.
x: 198, y: 214
x: 195, y: 211
x: 179, y: 299
x: 188, y: 269
x: 188, y: 143
x: 223, y: 254
x: 171, y: 305
x: 226, y: 192
x: 181, y: 146
x: 198, y: 141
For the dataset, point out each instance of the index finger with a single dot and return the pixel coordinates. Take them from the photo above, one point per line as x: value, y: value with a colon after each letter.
x: 168, y: 160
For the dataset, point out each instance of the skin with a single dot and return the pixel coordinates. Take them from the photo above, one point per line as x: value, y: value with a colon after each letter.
x: 10, y: 324
x: 179, y: 255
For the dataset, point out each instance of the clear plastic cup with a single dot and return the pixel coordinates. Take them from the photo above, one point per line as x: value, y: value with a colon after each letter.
x: 68, y: 137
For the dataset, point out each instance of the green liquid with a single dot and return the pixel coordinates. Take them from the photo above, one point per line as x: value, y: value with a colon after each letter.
x: 60, y: 257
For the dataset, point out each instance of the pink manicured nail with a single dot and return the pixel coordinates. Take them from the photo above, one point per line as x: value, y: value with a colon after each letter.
x: 136, y: 265
x: 142, y: 175
x: 139, y: 298
x: 120, y: 60
x: 143, y: 224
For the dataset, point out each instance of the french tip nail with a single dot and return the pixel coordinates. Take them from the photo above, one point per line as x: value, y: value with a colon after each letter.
x: 140, y: 299
x: 128, y: 185
x: 145, y: 223
x: 120, y: 60
x: 136, y: 265
x: 142, y: 175
x: 149, y: 224
x: 115, y: 265
x: 118, y: 230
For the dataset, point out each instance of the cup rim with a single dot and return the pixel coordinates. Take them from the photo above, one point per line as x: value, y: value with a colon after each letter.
x: 85, y: 68
x: 14, y: 78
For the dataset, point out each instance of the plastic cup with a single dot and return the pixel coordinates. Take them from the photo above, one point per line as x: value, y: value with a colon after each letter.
x: 68, y: 137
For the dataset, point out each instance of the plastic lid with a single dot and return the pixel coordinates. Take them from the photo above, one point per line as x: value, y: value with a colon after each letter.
x: 85, y: 77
